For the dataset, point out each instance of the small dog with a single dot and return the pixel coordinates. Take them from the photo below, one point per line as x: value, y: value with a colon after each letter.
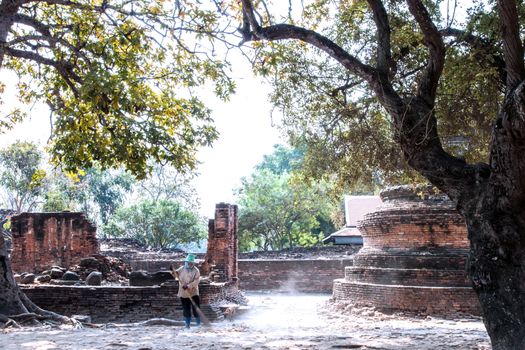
x: 228, y: 313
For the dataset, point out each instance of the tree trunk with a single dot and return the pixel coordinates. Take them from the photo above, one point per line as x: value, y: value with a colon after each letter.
x: 10, y: 302
x: 14, y: 302
x: 497, y: 229
x: 496, y: 269
x: 491, y: 198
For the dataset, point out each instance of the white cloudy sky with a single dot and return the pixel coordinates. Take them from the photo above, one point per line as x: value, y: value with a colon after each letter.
x: 244, y: 123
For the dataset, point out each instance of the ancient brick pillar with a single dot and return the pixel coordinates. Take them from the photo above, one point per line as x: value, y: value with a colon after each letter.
x: 222, y: 253
x: 41, y: 240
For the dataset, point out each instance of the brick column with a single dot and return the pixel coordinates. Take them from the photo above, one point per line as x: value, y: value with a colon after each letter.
x: 222, y: 253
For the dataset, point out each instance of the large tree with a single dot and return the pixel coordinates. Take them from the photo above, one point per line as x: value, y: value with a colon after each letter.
x: 490, y: 196
x: 119, y: 78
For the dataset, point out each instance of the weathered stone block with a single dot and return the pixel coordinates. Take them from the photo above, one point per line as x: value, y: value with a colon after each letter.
x: 70, y: 276
x: 94, y: 279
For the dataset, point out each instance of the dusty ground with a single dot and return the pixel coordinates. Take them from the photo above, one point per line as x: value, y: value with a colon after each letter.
x: 273, y: 322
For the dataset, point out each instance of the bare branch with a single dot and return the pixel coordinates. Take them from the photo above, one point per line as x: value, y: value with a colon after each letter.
x: 249, y: 14
x: 384, y: 54
x: 433, y: 40
x: 512, y: 46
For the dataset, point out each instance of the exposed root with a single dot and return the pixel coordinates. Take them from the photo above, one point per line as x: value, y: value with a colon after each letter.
x: 47, y: 316
x: 159, y: 322
x: 6, y: 322
x: 35, y: 316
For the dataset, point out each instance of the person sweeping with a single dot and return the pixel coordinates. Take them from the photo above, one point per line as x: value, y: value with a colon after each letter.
x: 189, y: 278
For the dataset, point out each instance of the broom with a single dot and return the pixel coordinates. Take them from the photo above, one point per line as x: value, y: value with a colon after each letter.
x: 203, y: 318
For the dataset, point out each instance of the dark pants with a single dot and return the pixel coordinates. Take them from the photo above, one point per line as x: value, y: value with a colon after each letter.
x: 187, y: 306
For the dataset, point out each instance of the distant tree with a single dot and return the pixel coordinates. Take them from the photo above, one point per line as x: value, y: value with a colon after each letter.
x: 21, y: 176
x: 54, y: 201
x: 101, y: 192
x: 166, y: 183
x: 159, y: 224
x: 277, y: 212
x: 62, y: 192
x: 283, y: 159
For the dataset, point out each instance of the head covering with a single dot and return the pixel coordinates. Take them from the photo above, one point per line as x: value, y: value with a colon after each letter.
x: 190, y: 258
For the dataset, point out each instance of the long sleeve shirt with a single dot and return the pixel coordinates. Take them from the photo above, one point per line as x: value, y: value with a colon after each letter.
x: 191, y: 278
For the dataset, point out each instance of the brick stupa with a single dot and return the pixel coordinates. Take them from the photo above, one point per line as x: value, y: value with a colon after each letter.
x: 413, y: 259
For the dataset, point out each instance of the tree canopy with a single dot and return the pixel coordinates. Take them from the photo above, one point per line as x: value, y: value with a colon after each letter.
x: 333, y: 111
x: 118, y: 77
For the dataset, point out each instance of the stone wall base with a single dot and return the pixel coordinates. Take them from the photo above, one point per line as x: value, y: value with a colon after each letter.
x: 417, y: 299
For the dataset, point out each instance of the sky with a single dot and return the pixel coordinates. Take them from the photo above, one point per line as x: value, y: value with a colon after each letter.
x: 246, y: 135
x: 244, y: 123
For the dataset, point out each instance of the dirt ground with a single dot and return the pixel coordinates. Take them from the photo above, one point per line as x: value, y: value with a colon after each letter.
x: 274, y: 321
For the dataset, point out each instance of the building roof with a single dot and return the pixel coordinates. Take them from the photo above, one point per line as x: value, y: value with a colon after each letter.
x: 344, y: 232
x: 357, y: 206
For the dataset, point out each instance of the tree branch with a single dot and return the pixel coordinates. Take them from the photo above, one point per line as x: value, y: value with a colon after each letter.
x: 512, y: 46
x: 384, y: 53
x: 287, y: 31
x: 64, y: 68
x: 429, y: 81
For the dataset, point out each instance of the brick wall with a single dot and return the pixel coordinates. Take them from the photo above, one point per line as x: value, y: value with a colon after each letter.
x: 120, y: 304
x: 414, y: 226
x: 41, y: 240
x: 310, y: 276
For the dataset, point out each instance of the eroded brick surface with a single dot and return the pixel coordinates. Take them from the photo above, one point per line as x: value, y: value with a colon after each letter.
x: 291, y: 275
x: 42, y: 240
x: 221, y: 256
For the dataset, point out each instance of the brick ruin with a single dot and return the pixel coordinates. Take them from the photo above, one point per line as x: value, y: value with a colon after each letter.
x: 43, y: 240
x: 221, y: 257
x: 413, y: 258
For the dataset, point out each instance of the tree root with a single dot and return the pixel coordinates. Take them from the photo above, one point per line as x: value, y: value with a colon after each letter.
x: 150, y: 322
x: 35, y: 316
x: 48, y: 317
x: 159, y: 322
